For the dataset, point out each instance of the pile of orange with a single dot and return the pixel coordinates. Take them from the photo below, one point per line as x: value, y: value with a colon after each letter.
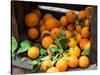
x: 48, y: 27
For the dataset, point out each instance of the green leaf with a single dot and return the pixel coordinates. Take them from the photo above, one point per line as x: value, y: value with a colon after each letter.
x: 85, y: 51
x: 53, y: 49
x: 61, y: 42
x: 14, y: 45
x: 36, y: 65
x: 46, y: 58
x: 25, y: 45
x: 19, y: 58
x: 42, y: 51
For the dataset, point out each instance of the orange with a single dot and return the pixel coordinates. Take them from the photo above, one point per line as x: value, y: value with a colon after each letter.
x: 75, y: 51
x: 70, y: 27
x: 63, y: 21
x: 33, y: 33
x: 37, y: 12
x: 78, y: 28
x: 78, y: 37
x: 73, y: 61
x: 31, y: 20
x: 83, y: 43
x: 83, y: 61
x: 33, y: 52
x: 85, y: 32
x: 46, y: 64
x: 87, y: 22
x: 68, y: 34
x: 51, y: 23
x: 53, y: 69
x: 81, y: 15
x: 71, y: 16
x: 47, y: 16
x: 46, y: 41
x: 62, y: 65
x: 72, y: 42
x: 88, y: 11
x: 55, y: 33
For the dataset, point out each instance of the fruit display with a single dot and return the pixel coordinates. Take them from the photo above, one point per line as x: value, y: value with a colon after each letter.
x: 64, y: 42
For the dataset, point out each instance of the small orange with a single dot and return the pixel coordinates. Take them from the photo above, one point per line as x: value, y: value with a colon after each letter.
x: 83, y: 43
x: 88, y: 11
x: 33, y: 33
x: 51, y: 23
x: 33, y: 52
x: 47, y: 16
x: 55, y: 33
x: 63, y: 21
x: 31, y: 20
x: 73, y: 61
x: 83, y: 61
x: 85, y: 32
x: 37, y: 12
x: 68, y: 34
x: 70, y: 27
x: 75, y: 51
x: 71, y: 16
x: 87, y: 22
x: 78, y: 28
x: 81, y: 15
x: 46, y: 64
x: 46, y: 41
x: 62, y: 65
x: 53, y: 69
x: 72, y: 42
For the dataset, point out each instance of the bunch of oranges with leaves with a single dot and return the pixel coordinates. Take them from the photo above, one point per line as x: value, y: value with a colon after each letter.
x: 63, y: 42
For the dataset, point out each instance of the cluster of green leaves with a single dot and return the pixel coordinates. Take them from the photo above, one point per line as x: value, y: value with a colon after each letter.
x: 16, y: 51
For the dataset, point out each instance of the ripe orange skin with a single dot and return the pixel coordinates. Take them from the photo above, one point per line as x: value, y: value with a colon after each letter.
x: 87, y: 22
x: 62, y: 65
x: 46, y: 41
x: 51, y: 23
x: 53, y: 69
x: 37, y: 12
x: 41, y: 22
x: 70, y: 27
x: 31, y: 20
x: 71, y: 16
x: 45, y: 33
x: 83, y: 61
x: 47, y: 16
x: 33, y: 33
x: 81, y: 15
x: 68, y: 34
x: 85, y: 32
x: 78, y: 28
x: 73, y: 61
x: 88, y: 11
x: 83, y: 43
x: 63, y: 21
x: 46, y: 64
x: 75, y: 51
x: 33, y: 52
x: 55, y: 33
